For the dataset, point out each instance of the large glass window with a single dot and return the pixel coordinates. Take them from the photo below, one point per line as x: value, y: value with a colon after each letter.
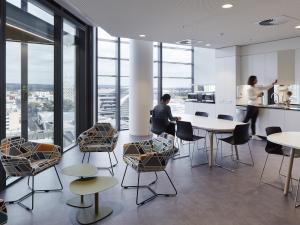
x: 30, y: 71
x: 156, y: 64
x: 69, y: 83
x: 124, y: 85
x: 177, y: 74
x: 176, y: 67
x: 107, y: 77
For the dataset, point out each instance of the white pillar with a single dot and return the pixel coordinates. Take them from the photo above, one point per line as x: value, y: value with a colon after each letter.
x: 140, y: 87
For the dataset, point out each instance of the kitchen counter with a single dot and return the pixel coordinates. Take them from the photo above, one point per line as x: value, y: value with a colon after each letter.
x: 194, y: 106
x: 195, y: 101
x: 273, y: 115
x: 275, y: 106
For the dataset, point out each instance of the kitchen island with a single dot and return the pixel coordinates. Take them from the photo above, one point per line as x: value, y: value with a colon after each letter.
x: 288, y: 118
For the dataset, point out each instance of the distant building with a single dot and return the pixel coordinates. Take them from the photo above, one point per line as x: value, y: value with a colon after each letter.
x: 13, y: 122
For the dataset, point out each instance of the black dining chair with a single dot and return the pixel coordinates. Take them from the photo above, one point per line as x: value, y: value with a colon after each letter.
x: 275, y: 149
x: 221, y: 133
x: 240, y: 136
x: 158, y: 125
x: 185, y: 132
x: 203, y: 114
x: 225, y: 117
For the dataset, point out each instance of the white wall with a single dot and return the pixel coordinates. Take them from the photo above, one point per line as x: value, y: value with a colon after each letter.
x: 204, y: 67
x: 227, y: 74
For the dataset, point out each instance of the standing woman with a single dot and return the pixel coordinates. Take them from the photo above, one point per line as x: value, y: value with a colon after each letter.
x: 254, y: 93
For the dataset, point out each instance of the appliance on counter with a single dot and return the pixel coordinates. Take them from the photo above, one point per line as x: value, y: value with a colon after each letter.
x: 208, y: 97
x: 203, y: 97
x: 193, y: 97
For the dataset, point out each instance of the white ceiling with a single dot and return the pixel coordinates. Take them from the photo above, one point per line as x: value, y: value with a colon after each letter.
x: 205, y: 20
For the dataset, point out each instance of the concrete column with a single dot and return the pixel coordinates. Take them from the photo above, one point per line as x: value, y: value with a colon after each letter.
x: 140, y: 87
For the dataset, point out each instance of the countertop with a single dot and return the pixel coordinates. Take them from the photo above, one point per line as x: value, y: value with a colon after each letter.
x: 195, y: 101
x: 275, y: 106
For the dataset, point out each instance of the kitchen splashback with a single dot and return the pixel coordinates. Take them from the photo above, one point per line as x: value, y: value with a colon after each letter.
x: 280, y: 90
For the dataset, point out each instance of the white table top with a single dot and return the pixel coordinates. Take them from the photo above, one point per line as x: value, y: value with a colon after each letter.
x: 209, y: 123
x: 80, y: 170
x: 92, y: 185
x: 288, y: 139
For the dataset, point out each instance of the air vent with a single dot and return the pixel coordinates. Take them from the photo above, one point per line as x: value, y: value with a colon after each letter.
x: 184, y: 42
x: 274, y: 21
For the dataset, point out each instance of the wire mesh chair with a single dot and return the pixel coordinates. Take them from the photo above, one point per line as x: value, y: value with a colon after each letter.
x: 149, y: 156
x: 20, y: 159
x: 102, y: 137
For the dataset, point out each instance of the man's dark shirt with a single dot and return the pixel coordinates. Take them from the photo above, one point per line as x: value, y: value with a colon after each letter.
x: 163, y: 111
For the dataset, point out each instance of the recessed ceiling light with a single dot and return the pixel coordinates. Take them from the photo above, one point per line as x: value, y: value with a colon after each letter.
x: 208, y: 45
x: 199, y: 42
x: 227, y: 6
x: 297, y: 27
x: 142, y: 35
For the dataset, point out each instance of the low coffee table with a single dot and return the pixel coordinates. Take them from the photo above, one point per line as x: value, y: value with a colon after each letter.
x: 83, y: 171
x: 87, y: 186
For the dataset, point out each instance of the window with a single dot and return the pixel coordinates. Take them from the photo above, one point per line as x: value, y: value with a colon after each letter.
x: 177, y: 68
x: 30, y: 71
x: 113, y: 82
x: 107, y: 77
x: 124, y: 85
x: 156, y: 64
x: 69, y: 83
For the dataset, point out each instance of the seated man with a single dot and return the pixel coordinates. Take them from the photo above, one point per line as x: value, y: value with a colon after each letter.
x: 163, y: 111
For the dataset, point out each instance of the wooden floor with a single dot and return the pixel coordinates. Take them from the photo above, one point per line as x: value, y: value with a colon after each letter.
x: 205, y: 196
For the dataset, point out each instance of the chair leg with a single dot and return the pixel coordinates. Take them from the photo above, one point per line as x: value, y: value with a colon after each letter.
x: 111, y: 170
x: 181, y: 157
x: 245, y: 163
x: 20, y: 200
x: 262, y: 172
x: 111, y: 165
x: 154, y: 194
x: 281, y: 167
x: 117, y: 162
x: 205, y: 152
x: 48, y: 190
x: 296, y: 197
x: 83, y: 158
x: 126, y: 187
x: 89, y: 157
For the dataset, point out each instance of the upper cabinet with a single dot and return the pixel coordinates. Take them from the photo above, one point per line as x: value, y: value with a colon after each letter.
x: 269, y: 67
x: 286, y: 66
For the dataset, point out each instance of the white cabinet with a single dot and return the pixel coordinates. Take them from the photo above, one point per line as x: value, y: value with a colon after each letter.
x: 288, y: 120
x: 292, y: 122
x: 268, y: 118
x: 270, y: 68
x: 245, y: 69
x: 286, y: 66
x: 226, y: 85
x: 192, y: 107
x: 258, y: 67
x: 188, y: 107
x: 264, y: 66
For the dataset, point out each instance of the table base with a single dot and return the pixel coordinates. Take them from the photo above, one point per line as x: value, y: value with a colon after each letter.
x: 88, y: 216
x: 80, y: 202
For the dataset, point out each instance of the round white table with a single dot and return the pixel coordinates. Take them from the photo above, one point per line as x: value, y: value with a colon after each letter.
x: 290, y: 140
x: 82, y: 171
x: 212, y: 125
x: 89, y: 186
